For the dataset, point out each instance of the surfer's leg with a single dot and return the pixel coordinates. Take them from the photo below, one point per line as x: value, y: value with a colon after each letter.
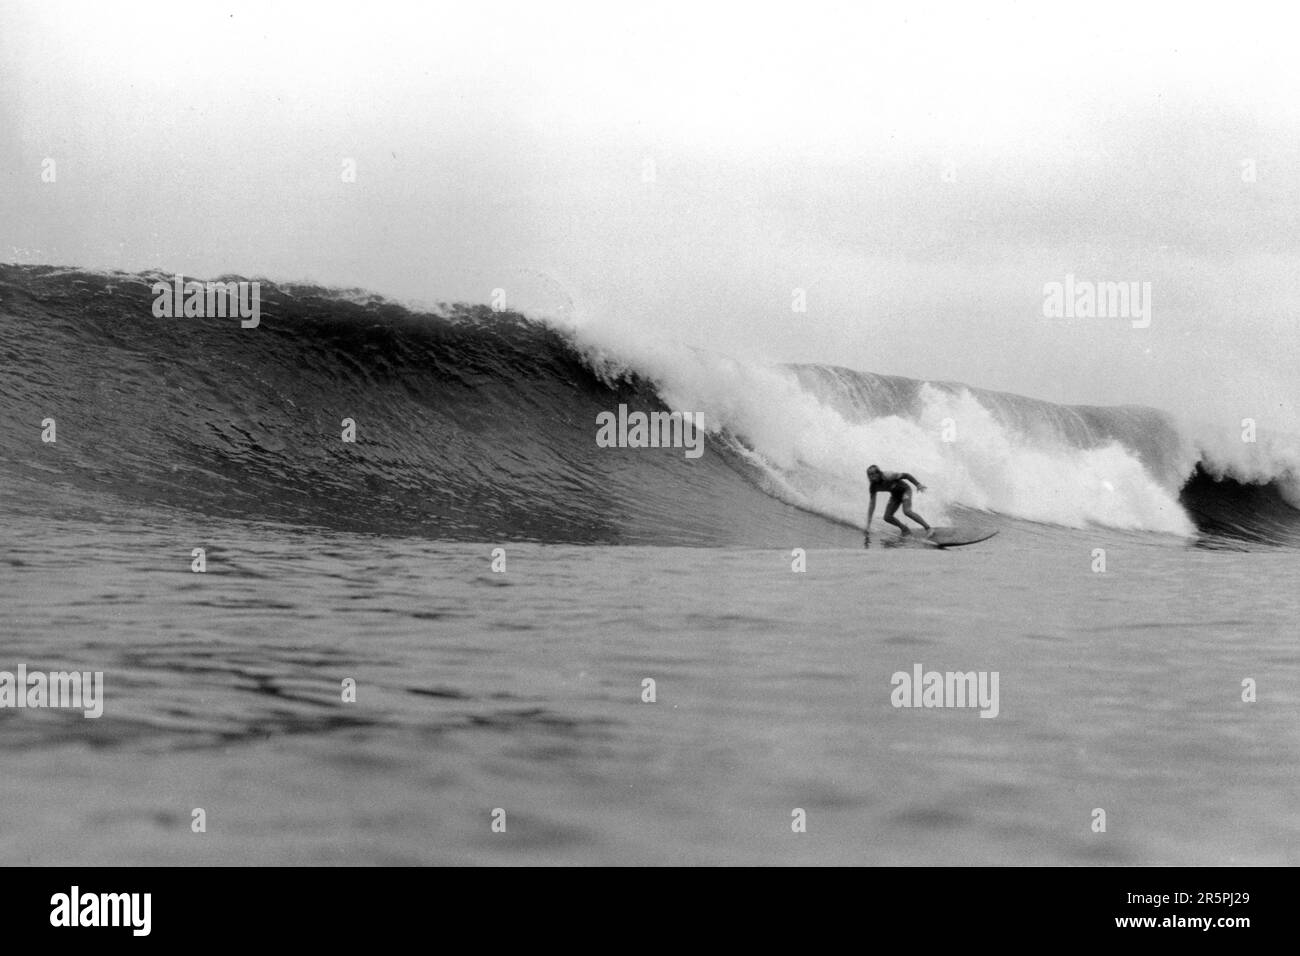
x: 907, y: 510
x: 916, y: 517
x: 889, y: 516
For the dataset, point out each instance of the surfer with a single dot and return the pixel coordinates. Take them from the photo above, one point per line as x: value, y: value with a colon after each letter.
x: 895, y: 483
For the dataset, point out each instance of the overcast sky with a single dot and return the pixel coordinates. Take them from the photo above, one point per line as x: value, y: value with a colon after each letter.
x: 920, y: 172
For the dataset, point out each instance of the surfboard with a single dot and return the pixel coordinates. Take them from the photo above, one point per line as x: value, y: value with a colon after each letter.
x: 955, y: 537
x: 936, y: 538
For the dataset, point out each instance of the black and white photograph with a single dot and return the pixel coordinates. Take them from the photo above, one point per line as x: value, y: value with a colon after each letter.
x: 704, y: 434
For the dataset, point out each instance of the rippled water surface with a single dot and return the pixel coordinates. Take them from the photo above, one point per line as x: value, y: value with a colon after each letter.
x: 522, y: 691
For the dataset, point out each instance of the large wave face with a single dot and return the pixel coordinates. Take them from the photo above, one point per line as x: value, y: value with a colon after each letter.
x: 477, y: 425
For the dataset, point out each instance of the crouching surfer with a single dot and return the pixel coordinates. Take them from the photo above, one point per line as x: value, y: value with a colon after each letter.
x: 895, y: 484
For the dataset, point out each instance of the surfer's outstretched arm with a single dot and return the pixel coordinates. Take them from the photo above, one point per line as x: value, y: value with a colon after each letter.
x: 906, y: 477
x: 871, y: 511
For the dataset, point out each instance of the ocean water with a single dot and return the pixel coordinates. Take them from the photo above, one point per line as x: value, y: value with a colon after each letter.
x: 520, y: 688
